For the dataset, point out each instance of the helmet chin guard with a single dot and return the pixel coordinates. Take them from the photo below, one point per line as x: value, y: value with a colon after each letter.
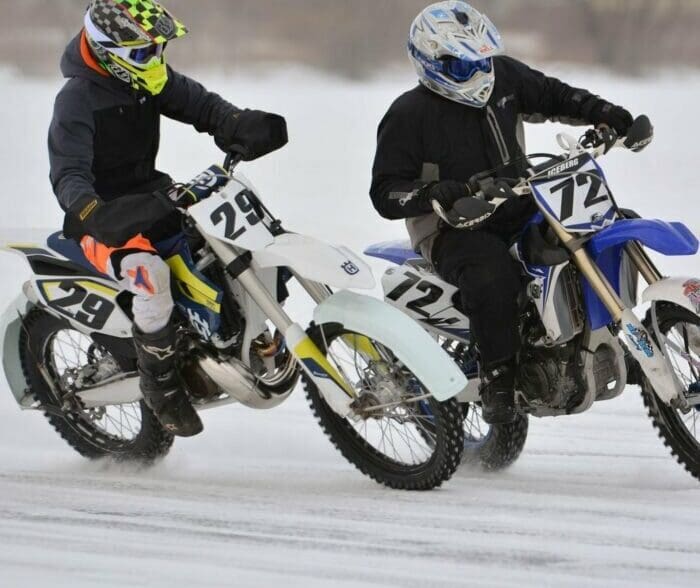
x: 452, y: 46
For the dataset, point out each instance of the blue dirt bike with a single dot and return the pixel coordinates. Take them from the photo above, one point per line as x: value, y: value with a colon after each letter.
x: 581, y: 256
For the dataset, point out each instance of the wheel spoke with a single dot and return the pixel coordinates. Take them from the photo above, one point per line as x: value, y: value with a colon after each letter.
x: 392, y: 424
x: 69, y: 351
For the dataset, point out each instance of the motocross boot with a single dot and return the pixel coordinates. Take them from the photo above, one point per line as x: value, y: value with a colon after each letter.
x: 498, y: 395
x: 162, y: 391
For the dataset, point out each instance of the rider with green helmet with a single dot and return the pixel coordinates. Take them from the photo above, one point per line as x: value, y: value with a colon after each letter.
x: 103, y: 143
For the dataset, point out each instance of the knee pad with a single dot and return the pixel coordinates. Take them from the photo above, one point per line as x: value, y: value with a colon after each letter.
x: 147, y: 276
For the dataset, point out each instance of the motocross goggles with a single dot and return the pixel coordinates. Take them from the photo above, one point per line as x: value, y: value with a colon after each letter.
x: 463, y: 70
x: 141, y: 56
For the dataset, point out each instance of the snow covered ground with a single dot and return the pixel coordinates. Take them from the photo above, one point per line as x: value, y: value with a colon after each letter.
x: 262, y: 498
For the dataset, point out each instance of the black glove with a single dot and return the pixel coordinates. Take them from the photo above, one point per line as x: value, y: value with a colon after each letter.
x: 493, y: 188
x: 446, y: 193
x: 114, y: 223
x: 616, y: 117
x: 256, y: 132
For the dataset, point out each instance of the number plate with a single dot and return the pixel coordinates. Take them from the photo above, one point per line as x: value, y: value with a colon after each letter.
x: 576, y: 194
x: 427, y: 299
x: 230, y: 216
x: 87, y: 302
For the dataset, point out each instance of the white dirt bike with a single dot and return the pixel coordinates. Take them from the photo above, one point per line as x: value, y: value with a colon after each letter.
x: 580, y: 258
x: 381, y: 388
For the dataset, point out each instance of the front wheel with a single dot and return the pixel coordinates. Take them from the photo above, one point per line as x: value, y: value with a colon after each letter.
x: 397, y: 434
x: 678, y: 427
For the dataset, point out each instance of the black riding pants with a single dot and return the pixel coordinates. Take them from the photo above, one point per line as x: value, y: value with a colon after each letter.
x: 479, y: 263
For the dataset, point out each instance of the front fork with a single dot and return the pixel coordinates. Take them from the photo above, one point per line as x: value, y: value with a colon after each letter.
x: 640, y: 344
x: 333, y: 386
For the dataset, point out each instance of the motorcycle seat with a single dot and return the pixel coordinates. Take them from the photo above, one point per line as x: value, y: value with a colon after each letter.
x: 69, y: 249
x: 398, y: 252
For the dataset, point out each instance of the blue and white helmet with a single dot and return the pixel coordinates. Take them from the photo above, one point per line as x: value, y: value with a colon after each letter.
x: 451, y: 46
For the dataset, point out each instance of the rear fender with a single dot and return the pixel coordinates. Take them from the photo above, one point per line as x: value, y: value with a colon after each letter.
x: 385, y: 324
x: 11, y: 325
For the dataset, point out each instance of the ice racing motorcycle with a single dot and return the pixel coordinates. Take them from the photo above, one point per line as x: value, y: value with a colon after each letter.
x: 381, y: 388
x: 581, y: 256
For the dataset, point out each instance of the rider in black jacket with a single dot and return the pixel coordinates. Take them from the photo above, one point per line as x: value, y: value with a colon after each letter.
x: 103, y: 143
x: 463, y: 119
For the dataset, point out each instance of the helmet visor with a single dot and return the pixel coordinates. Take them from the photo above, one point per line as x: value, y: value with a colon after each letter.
x: 463, y: 70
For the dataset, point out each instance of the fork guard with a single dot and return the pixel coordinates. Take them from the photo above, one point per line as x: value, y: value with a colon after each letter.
x: 412, y: 345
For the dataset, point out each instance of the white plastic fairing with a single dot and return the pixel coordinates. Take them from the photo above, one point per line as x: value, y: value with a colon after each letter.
x: 426, y: 298
x: 414, y: 347
x: 315, y: 260
x: 653, y: 363
x: 684, y: 292
x: 10, y: 329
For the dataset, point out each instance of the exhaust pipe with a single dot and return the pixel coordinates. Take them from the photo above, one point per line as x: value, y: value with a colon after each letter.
x: 232, y: 377
x: 235, y: 379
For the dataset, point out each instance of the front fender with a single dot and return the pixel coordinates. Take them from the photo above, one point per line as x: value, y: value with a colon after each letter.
x: 11, y: 325
x: 407, y: 340
x: 682, y: 291
x: 317, y: 261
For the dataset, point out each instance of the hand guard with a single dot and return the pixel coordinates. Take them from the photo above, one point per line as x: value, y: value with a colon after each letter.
x: 467, y: 213
x: 257, y: 132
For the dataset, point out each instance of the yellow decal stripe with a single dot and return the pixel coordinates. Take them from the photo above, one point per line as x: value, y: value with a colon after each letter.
x: 314, y: 360
x: 363, y: 346
x: 195, y: 288
x: 45, y: 288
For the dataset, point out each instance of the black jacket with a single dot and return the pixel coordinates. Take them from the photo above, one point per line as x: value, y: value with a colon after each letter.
x: 427, y: 137
x: 104, y: 136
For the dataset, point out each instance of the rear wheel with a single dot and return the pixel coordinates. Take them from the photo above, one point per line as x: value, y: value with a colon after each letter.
x: 125, y: 432
x: 493, y: 447
x: 679, y: 428
x: 397, y: 434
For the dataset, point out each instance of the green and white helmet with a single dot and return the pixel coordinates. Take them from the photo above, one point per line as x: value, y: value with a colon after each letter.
x: 128, y: 37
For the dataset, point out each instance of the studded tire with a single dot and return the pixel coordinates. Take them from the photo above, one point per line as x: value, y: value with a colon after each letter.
x: 446, y: 425
x: 667, y: 420
x: 150, y: 442
x: 501, y: 446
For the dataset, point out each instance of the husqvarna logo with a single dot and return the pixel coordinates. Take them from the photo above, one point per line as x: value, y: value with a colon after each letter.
x: 350, y: 268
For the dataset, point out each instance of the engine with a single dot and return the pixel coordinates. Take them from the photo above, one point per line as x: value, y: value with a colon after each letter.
x: 547, y: 380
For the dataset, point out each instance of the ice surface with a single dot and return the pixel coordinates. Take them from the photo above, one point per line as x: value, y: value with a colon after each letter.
x: 262, y: 498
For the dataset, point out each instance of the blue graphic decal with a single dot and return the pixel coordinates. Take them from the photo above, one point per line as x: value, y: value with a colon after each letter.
x: 640, y: 339
x: 398, y: 252
x: 315, y: 369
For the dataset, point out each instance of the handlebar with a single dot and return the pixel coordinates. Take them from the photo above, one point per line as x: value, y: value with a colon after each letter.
x: 596, y: 142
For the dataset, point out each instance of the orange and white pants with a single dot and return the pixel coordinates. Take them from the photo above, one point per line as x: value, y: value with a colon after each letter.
x: 137, y: 267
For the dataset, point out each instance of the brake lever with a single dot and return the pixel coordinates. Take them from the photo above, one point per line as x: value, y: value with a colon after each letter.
x: 234, y: 157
